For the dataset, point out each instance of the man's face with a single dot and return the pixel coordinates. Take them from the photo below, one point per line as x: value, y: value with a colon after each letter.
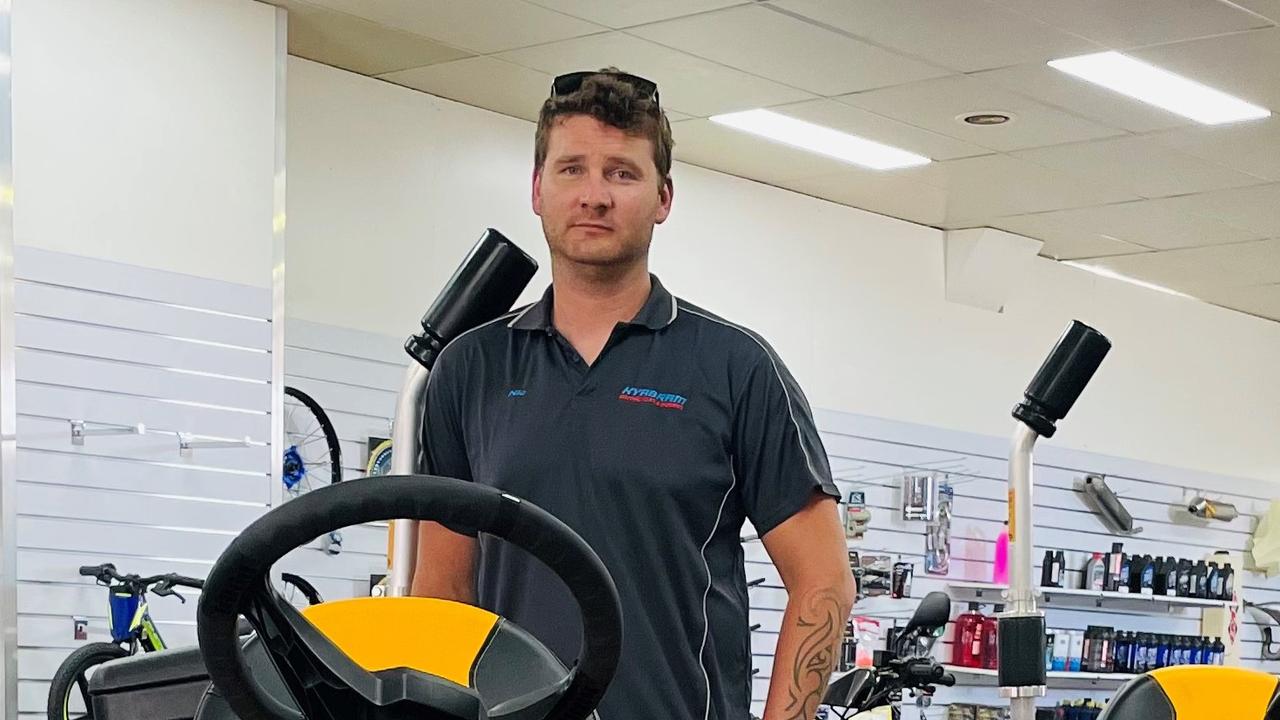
x: 598, y: 193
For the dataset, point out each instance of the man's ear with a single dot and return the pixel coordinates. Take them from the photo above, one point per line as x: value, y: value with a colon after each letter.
x: 536, y: 194
x: 665, y: 195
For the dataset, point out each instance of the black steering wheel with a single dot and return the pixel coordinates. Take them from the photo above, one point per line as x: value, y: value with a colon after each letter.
x: 512, y: 677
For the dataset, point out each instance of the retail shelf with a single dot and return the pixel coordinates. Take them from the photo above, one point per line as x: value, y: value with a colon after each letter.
x: 1055, y: 680
x: 1075, y: 597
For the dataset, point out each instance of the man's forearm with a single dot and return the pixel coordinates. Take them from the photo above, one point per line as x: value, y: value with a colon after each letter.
x: 808, y: 644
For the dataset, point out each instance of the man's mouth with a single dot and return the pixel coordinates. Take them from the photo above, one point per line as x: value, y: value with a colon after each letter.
x: 593, y: 226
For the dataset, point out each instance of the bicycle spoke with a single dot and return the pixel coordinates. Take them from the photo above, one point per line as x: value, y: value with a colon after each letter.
x: 310, y: 435
x: 313, y: 440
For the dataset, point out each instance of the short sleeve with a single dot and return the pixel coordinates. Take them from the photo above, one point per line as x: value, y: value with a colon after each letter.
x: 778, y: 456
x: 444, y: 447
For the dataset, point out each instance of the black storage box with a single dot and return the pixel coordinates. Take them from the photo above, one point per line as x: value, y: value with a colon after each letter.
x: 165, y: 685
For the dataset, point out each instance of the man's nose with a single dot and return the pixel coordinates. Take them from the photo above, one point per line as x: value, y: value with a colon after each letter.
x: 595, y: 193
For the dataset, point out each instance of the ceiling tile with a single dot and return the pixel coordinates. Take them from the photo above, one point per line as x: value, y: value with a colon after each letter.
x: 625, y: 13
x: 1051, y: 87
x: 1252, y: 147
x: 1062, y: 242
x: 483, y: 26
x: 1122, y: 24
x: 1140, y: 164
x: 1194, y: 270
x: 1243, y: 263
x: 856, y: 121
x: 361, y: 46
x: 483, y: 82
x: 935, y: 104
x: 1269, y: 9
x: 963, y: 35
x: 782, y: 48
x: 883, y: 193
x: 1260, y: 300
x: 690, y: 85
x: 710, y: 145
x: 1159, y: 224
x: 1255, y: 209
x: 1243, y: 64
x: 980, y: 189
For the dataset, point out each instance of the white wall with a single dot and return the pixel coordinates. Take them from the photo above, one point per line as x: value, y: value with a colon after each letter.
x: 144, y: 132
x: 389, y: 187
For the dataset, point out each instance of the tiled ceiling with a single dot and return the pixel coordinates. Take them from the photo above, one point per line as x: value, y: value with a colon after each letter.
x: 1101, y: 179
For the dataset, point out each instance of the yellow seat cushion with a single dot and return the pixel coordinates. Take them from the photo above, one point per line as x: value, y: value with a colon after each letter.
x: 1216, y: 693
x: 438, y: 637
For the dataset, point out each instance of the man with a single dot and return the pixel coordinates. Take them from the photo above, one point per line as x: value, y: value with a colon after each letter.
x: 651, y: 427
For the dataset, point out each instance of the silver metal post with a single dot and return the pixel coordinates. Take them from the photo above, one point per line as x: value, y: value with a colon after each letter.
x: 405, y: 446
x: 1022, y: 599
x: 275, y: 492
x: 8, y: 384
x: 1022, y: 592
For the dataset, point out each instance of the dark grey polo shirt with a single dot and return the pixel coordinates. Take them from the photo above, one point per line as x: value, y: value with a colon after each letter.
x: 685, y: 426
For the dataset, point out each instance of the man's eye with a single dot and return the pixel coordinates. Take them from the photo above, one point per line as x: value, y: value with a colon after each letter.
x: 572, y: 170
x: 625, y: 174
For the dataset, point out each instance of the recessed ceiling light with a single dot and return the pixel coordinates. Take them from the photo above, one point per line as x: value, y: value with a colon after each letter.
x: 1159, y: 87
x: 986, y: 118
x: 822, y: 140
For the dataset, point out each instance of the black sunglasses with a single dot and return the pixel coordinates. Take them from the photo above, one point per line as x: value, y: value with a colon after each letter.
x: 571, y: 82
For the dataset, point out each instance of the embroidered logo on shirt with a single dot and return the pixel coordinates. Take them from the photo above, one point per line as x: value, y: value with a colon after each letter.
x: 649, y: 396
x: 517, y: 393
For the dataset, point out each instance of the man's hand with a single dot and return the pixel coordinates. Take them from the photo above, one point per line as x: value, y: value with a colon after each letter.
x: 810, y: 553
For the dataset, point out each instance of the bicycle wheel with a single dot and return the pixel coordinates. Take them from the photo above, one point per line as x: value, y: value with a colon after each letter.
x: 69, y: 689
x: 298, y: 591
x: 379, y: 460
x: 313, y: 457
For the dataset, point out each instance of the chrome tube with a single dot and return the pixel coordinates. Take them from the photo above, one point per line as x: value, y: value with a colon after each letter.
x: 405, y: 447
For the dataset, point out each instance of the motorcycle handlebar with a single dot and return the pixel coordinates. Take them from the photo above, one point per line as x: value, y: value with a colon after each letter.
x: 924, y: 671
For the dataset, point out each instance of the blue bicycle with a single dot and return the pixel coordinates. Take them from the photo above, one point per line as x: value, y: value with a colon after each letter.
x: 132, y: 629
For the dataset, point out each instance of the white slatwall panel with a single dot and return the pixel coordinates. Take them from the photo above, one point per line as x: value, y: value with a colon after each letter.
x: 871, y: 455
x: 355, y: 377
x: 117, y: 344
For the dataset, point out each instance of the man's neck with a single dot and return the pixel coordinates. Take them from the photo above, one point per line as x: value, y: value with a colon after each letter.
x: 588, y: 305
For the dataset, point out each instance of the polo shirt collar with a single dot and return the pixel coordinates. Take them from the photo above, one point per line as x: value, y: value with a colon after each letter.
x: 658, y: 311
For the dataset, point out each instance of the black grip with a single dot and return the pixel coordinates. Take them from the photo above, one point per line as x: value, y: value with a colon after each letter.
x: 242, y: 569
x: 947, y: 680
x: 90, y: 570
x: 484, y: 286
x: 1063, y: 376
x: 1021, y: 640
x: 187, y: 581
x: 922, y: 672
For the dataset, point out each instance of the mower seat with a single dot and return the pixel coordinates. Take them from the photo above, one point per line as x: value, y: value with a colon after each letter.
x: 1197, y: 692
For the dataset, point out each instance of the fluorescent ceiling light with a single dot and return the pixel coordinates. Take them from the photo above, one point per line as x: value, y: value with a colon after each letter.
x: 1159, y: 87
x: 822, y: 140
x: 1108, y: 273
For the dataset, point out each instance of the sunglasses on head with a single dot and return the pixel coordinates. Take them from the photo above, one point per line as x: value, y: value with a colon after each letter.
x: 571, y: 82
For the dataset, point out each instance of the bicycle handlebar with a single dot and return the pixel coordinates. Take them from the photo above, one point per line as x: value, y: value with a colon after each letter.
x: 164, y: 584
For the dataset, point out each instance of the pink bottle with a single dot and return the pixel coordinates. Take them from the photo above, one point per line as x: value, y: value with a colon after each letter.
x: 1000, y: 573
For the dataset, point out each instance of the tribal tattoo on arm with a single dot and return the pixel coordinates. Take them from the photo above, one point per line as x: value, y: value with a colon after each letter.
x: 820, y: 623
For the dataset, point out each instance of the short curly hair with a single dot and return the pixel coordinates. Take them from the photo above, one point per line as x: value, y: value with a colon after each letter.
x: 616, y: 103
